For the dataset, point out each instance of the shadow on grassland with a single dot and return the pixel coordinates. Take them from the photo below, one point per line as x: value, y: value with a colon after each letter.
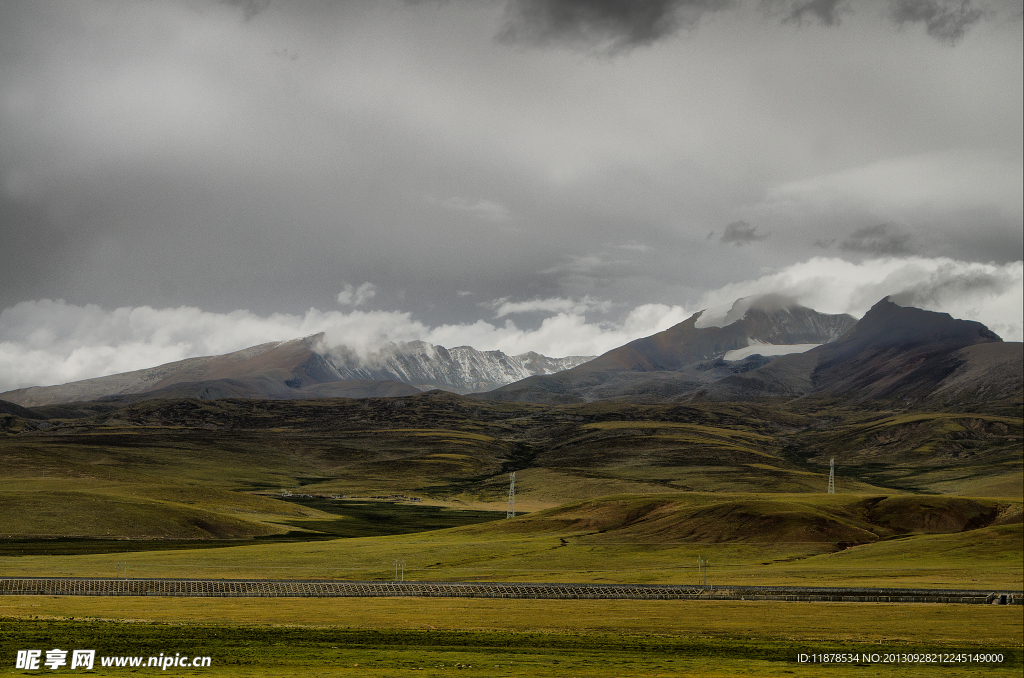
x: 355, y: 519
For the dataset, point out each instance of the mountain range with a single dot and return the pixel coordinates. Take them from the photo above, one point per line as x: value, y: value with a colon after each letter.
x: 707, y: 347
x: 462, y: 369
x: 892, y: 353
x: 305, y: 368
x: 758, y: 347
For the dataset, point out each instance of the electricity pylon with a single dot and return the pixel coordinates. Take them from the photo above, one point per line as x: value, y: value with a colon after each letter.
x: 510, y: 512
x: 832, y: 476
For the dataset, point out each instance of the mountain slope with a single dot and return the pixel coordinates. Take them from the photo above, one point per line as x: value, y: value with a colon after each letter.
x: 287, y: 369
x: 701, y: 337
x: 687, y: 356
x: 462, y: 369
x: 893, y: 352
x: 304, y: 368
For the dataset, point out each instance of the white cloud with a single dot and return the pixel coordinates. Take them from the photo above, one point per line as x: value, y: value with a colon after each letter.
x: 52, y: 342
x: 989, y: 293
x: 563, y: 334
x: 47, y: 342
x: 550, y: 305
x: 351, y: 296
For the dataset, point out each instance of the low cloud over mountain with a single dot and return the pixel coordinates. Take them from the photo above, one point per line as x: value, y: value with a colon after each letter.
x: 47, y: 342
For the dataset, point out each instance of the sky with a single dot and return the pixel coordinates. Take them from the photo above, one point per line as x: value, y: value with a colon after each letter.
x: 185, y: 177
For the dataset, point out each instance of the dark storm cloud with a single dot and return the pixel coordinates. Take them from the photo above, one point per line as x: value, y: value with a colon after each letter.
x: 827, y: 12
x: 156, y: 154
x: 945, y: 20
x: 824, y: 244
x: 615, y: 24
x: 882, y: 240
x: 741, y: 233
x: 950, y: 281
x: 250, y: 8
x: 618, y: 25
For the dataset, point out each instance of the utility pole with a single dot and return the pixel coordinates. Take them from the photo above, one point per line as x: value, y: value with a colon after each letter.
x: 832, y: 476
x: 399, y: 567
x: 510, y: 512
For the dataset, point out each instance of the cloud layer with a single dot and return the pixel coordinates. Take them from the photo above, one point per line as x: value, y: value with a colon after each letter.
x: 741, y: 233
x: 611, y: 25
x: 50, y: 342
x: 616, y: 25
x: 514, y: 174
x: 992, y: 294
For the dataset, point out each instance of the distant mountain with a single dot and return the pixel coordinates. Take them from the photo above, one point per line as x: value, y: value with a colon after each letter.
x: 302, y: 368
x: 277, y: 370
x: 707, y: 347
x: 462, y: 369
x: 893, y: 352
x: 760, y: 347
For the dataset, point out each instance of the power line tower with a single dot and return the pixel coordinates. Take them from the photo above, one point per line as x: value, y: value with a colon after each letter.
x: 832, y: 476
x: 510, y: 512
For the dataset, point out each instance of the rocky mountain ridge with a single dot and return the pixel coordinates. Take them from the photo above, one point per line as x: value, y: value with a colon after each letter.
x: 304, y: 368
x: 896, y: 352
x: 688, y: 355
x: 897, y: 355
x: 462, y: 369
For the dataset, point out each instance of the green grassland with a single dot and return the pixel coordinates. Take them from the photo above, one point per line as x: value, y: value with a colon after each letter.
x: 615, y: 493
x: 741, y: 484
x: 949, y: 453
x: 392, y: 637
x: 455, y: 450
x: 803, y: 539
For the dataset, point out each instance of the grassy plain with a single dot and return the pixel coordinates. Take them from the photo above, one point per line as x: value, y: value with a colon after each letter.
x: 391, y: 637
x: 825, y: 540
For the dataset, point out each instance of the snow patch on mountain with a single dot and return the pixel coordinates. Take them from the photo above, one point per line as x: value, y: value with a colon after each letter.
x: 462, y: 369
x: 760, y: 348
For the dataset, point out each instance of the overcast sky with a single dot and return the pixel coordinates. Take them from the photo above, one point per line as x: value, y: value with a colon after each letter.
x: 184, y: 178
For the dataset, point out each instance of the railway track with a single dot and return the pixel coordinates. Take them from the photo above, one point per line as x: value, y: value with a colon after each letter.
x: 277, y: 588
